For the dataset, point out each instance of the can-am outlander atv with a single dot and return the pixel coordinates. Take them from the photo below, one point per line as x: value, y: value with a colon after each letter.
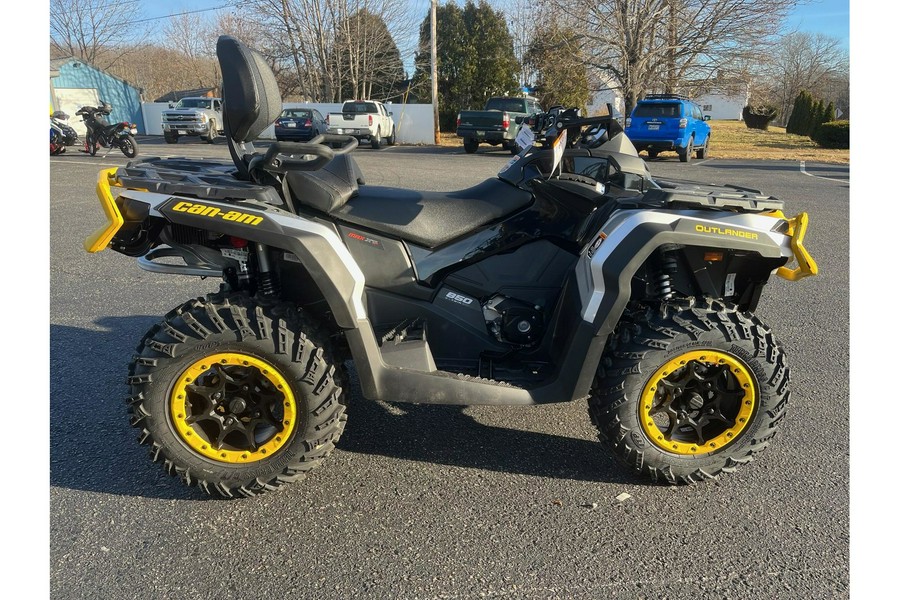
x: 571, y: 276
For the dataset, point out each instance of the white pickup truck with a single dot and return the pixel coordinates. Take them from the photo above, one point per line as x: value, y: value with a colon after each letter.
x: 193, y: 116
x: 366, y: 120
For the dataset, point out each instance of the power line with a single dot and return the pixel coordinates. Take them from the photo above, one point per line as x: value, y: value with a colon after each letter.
x: 189, y: 12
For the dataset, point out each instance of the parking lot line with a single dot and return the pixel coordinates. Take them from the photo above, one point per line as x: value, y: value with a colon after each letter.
x: 803, y: 170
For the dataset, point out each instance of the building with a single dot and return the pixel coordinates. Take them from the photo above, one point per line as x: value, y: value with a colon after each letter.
x: 75, y: 83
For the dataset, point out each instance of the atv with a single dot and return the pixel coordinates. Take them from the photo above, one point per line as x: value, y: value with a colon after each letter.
x: 573, y: 275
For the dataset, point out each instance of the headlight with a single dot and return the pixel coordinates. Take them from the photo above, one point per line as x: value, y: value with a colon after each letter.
x: 203, y: 118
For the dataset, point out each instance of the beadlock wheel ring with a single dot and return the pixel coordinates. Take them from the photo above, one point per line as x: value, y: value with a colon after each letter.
x: 233, y: 408
x: 698, y: 402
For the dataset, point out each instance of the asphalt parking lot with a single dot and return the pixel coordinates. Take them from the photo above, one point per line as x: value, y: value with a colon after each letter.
x: 431, y: 502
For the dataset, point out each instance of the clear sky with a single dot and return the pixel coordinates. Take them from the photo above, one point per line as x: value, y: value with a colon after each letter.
x: 831, y: 17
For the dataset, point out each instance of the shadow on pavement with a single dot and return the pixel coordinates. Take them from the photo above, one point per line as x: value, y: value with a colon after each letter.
x: 447, y: 435
x: 94, y: 448
x: 92, y: 445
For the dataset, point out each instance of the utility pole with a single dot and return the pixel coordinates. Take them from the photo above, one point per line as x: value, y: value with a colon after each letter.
x: 434, y: 85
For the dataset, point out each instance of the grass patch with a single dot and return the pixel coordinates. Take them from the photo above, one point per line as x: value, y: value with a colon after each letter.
x: 732, y: 139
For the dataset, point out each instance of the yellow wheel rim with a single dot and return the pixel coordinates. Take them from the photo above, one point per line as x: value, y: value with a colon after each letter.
x: 697, y: 403
x: 233, y: 408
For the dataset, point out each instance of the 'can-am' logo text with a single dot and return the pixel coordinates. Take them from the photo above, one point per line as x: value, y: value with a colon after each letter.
x: 212, y: 211
x: 732, y: 232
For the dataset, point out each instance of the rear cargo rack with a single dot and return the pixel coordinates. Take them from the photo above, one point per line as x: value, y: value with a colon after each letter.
x: 210, y: 179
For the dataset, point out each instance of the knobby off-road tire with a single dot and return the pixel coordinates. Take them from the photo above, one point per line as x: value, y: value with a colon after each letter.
x: 704, y: 359
x: 214, y: 370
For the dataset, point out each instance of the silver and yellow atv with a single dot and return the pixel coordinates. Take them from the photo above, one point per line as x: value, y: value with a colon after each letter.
x: 571, y: 276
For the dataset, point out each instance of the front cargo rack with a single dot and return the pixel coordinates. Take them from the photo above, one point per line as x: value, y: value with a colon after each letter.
x: 675, y: 194
x: 210, y: 179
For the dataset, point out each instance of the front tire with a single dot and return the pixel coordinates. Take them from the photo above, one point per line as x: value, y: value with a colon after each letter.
x: 392, y: 139
x: 171, y: 138
x: 688, y: 391
x: 236, y: 398
x: 128, y: 145
x: 213, y: 133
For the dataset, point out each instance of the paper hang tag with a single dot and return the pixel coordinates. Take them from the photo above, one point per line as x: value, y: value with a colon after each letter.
x: 525, y: 137
x: 559, y: 146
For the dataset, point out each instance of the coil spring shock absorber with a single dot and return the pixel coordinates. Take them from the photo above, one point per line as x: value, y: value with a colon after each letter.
x: 268, y: 286
x: 663, y: 279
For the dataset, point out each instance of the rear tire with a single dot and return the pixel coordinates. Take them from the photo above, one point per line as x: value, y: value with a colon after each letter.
x: 470, y: 145
x: 171, y: 138
x: 652, y: 153
x: 720, y: 370
x: 685, y: 155
x: 129, y: 146
x: 376, y: 140
x: 703, y: 153
x: 186, y: 397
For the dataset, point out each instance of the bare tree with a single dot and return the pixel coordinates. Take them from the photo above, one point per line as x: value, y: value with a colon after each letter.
x: 318, y: 44
x: 660, y: 45
x: 97, y: 31
x: 817, y: 63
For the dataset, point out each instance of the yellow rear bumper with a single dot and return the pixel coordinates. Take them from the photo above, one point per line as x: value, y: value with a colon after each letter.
x: 101, y: 238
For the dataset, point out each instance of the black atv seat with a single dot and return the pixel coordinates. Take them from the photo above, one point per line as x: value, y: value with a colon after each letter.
x: 431, y: 219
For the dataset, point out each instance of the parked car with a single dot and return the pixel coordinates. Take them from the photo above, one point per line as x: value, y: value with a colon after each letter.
x: 195, y: 117
x: 663, y: 122
x: 496, y: 124
x: 299, y: 125
x: 366, y: 120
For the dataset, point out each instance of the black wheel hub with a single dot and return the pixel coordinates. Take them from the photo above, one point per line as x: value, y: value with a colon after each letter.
x: 235, y: 407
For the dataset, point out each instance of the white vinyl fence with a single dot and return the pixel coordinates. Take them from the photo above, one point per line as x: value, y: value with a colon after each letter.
x: 414, y: 122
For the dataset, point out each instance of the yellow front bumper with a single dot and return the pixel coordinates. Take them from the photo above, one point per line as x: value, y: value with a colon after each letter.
x: 806, y: 266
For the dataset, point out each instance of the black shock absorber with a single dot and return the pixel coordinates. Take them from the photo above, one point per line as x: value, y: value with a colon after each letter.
x: 667, y: 267
x: 268, y: 285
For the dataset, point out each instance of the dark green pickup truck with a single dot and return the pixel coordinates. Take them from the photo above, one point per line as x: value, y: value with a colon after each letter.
x: 496, y: 124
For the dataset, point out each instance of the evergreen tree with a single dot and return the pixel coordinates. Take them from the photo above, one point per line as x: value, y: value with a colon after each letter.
x: 560, y: 66
x: 815, y: 117
x: 475, y: 59
x: 795, y: 114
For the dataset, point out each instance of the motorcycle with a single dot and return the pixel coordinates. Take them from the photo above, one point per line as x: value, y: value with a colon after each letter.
x: 573, y: 275
x: 61, y: 133
x: 101, y: 134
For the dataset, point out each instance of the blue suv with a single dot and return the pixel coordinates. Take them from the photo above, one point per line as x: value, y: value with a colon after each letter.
x: 668, y: 122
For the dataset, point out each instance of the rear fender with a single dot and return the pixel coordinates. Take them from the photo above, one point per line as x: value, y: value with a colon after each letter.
x: 316, y: 246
